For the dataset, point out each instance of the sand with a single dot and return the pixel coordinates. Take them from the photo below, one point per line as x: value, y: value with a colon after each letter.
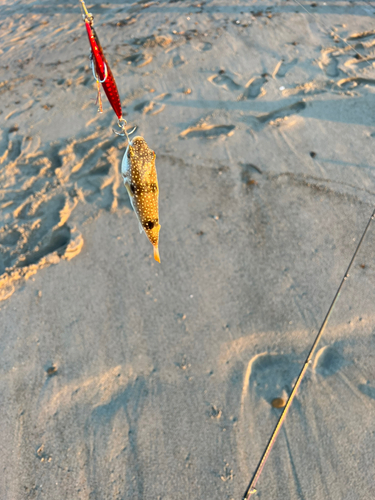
x: 124, y: 379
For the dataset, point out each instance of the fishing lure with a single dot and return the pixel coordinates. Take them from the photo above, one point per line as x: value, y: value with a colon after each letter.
x: 140, y: 179
x: 100, y: 68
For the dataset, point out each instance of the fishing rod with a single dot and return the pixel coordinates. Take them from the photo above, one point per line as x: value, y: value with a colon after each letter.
x: 251, y: 488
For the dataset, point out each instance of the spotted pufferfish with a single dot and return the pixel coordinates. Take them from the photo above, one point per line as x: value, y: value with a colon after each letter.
x: 140, y: 179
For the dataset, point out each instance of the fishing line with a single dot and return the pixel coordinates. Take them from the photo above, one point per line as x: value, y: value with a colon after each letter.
x: 251, y: 488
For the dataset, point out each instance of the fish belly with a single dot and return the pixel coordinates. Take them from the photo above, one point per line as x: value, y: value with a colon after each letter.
x: 125, y: 165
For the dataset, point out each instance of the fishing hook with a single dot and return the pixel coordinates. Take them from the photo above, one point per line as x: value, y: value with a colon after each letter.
x: 94, y: 71
x: 122, y: 125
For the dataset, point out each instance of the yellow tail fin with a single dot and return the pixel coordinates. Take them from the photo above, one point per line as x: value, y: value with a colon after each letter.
x: 156, y: 254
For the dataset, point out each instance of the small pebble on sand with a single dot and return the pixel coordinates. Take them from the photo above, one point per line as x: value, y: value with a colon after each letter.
x: 278, y: 402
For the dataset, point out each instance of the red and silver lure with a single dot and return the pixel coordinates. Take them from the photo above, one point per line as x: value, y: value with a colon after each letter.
x: 101, y: 70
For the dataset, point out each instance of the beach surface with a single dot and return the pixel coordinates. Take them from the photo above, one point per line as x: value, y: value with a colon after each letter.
x: 125, y: 379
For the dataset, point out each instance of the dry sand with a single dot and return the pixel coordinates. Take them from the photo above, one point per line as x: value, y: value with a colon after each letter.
x: 124, y: 379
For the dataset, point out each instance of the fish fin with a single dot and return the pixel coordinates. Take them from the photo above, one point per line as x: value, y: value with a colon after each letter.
x: 130, y: 195
x: 140, y: 228
x: 156, y: 254
x: 132, y: 204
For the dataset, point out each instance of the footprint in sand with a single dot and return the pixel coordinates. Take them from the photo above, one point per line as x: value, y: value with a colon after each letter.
x: 203, y: 46
x: 274, y: 117
x: 254, y: 88
x: 205, y: 131
x: 149, y: 107
x: 283, y: 67
x: 12, y: 149
x: 353, y: 82
x: 359, y: 63
x: 20, y: 109
x: 46, y: 185
x: 272, y: 374
x: 328, y: 361
x: 309, y: 88
x: 55, y: 242
x: 362, y: 35
x: 329, y: 64
x: 284, y: 112
x: 225, y: 81
x: 178, y: 60
x: 331, y: 68
x: 152, y: 107
x: 153, y: 41
x: 122, y: 417
x: 247, y: 174
x: 367, y: 390
x: 139, y: 59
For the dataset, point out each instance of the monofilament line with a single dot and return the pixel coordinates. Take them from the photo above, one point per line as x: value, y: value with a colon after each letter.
x: 251, y: 488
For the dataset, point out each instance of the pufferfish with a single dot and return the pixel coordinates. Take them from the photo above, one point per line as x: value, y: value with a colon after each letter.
x: 140, y: 179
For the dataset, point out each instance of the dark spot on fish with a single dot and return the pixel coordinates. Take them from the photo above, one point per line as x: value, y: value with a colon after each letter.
x: 146, y: 187
x: 128, y: 155
x: 132, y: 188
x: 148, y: 224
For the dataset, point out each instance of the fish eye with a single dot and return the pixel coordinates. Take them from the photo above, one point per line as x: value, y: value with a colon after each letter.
x: 148, y: 224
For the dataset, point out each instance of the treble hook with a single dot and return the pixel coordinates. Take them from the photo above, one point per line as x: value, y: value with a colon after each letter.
x: 122, y: 125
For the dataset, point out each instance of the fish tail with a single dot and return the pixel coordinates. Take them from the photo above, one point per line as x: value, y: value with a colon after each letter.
x: 156, y: 254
